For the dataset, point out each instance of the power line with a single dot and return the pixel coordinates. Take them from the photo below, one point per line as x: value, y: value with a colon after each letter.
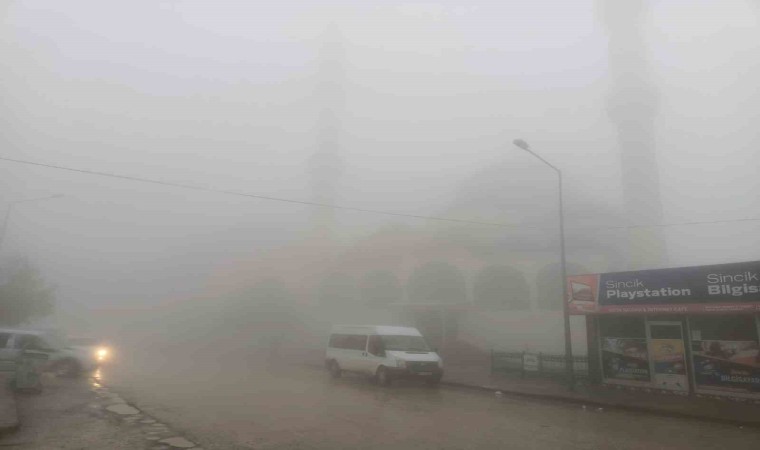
x: 259, y: 197
x: 351, y: 208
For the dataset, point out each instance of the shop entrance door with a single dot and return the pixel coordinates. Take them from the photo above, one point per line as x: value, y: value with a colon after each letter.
x: 667, y: 355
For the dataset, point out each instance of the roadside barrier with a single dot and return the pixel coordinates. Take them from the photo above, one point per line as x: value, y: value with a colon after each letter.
x: 536, y: 364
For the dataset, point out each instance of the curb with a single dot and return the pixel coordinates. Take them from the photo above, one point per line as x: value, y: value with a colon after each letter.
x: 156, y: 431
x: 590, y: 402
x: 599, y: 403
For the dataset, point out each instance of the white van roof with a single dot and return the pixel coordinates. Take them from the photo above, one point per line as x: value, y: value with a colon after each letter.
x: 385, y: 330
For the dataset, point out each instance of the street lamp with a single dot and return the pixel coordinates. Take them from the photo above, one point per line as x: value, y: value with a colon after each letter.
x: 10, y: 208
x: 569, y: 370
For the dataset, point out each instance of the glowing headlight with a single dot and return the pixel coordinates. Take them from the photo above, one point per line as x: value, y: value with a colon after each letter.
x: 102, y: 353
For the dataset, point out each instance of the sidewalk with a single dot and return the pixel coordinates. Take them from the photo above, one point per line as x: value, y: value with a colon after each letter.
x: 8, y: 412
x: 82, y: 414
x: 727, y: 411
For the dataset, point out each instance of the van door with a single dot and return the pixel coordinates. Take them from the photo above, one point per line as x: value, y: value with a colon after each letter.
x: 375, y: 355
x: 353, y: 353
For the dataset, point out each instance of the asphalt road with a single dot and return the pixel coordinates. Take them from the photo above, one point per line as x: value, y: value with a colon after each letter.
x: 238, y: 402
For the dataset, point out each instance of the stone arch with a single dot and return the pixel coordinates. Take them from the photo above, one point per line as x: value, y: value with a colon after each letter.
x: 337, y: 289
x: 501, y: 287
x: 437, y: 282
x: 266, y: 302
x: 270, y: 292
x: 380, y: 287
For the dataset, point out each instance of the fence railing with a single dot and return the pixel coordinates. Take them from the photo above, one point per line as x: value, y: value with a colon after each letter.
x: 536, y: 364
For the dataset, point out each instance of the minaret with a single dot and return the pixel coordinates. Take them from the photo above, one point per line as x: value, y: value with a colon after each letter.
x: 326, y: 164
x: 632, y: 106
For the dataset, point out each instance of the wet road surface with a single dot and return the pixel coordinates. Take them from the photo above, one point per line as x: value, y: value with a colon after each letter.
x: 233, y: 403
x: 74, y: 414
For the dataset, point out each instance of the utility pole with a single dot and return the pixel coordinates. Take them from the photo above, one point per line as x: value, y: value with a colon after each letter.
x: 569, y: 369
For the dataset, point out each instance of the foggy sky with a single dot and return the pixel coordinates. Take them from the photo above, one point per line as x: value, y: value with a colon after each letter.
x: 222, y: 94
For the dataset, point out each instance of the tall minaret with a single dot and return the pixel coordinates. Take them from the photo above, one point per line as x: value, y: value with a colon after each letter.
x: 632, y: 106
x: 326, y: 165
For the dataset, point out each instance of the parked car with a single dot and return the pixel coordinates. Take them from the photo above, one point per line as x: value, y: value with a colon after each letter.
x: 383, y: 352
x: 64, y: 358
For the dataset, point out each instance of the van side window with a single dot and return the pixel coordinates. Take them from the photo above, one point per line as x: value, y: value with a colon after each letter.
x: 348, y: 341
x: 337, y: 340
x: 358, y: 342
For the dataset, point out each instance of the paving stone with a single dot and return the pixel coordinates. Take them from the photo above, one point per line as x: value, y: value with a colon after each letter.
x: 178, y: 442
x: 123, y: 409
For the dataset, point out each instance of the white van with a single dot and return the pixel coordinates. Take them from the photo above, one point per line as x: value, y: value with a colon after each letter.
x: 384, y: 352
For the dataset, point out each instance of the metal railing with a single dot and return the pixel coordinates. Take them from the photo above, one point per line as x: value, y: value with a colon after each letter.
x: 536, y: 364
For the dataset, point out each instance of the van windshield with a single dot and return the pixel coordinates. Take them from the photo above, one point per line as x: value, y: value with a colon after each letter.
x: 405, y: 343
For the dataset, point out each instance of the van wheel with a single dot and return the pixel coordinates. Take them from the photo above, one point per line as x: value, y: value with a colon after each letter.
x: 334, y: 369
x: 382, y: 377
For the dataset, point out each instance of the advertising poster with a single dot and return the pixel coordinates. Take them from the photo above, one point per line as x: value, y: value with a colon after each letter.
x: 669, y: 358
x: 625, y: 359
x: 582, y: 293
x: 730, y: 367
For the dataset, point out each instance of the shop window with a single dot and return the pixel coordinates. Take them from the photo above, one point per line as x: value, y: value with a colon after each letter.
x: 726, y: 355
x: 622, y: 327
x: 665, y: 332
x: 623, y: 344
x: 724, y: 328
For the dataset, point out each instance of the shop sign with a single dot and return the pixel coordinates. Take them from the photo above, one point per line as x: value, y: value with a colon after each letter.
x: 625, y: 359
x: 730, y: 367
x: 702, y: 289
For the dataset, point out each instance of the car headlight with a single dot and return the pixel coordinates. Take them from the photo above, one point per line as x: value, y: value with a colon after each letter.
x: 440, y: 364
x: 102, y: 354
x: 400, y: 363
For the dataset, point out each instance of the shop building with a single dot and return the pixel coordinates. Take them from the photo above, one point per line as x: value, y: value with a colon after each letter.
x: 689, y: 330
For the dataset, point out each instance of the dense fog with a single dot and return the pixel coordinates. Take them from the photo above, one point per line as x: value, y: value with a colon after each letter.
x: 398, y: 109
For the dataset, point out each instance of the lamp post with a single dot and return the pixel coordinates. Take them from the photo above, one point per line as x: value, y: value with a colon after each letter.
x: 10, y: 208
x: 569, y: 370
